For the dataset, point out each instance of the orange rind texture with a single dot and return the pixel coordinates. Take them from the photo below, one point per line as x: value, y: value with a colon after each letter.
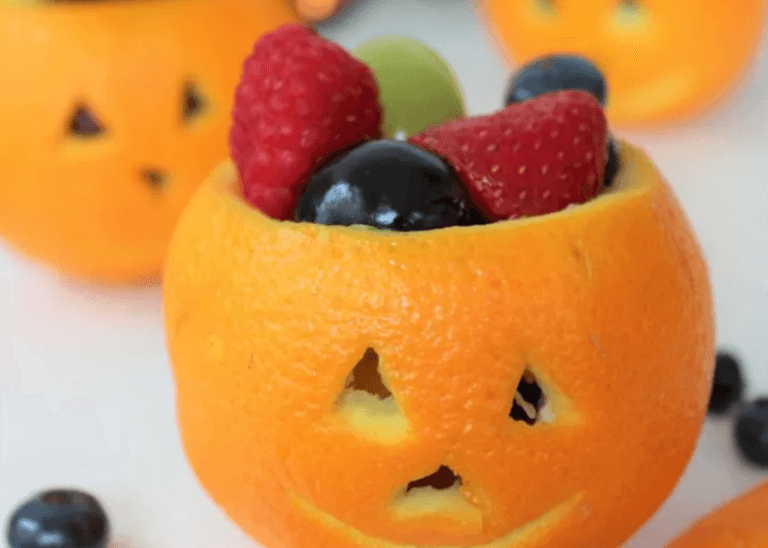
x: 607, y: 304
x: 740, y: 523
x: 666, y: 61
x: 85, y: 206
x: 318, y: 10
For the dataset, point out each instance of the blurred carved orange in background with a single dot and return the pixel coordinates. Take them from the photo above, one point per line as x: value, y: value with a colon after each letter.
x: 111, y: 113
x: 665, y: 60
x: 741, y: 523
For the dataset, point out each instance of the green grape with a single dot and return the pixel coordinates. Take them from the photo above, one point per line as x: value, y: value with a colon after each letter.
x: 417, y: 87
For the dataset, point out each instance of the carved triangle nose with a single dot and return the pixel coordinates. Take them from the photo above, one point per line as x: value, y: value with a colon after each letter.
x: 438, y: 494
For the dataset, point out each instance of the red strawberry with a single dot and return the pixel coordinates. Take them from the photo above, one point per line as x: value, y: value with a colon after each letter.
x: 301, y: 99
x: 531, y: 158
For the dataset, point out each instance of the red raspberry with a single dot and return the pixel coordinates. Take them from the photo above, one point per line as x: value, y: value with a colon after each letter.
x: 302, y: 100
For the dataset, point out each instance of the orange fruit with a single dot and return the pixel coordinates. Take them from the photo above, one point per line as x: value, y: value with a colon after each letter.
x: 664, y: 61
x: 740, y: 523
x: 318, y: 10
x: 348, y: 387
x: 111, y: 113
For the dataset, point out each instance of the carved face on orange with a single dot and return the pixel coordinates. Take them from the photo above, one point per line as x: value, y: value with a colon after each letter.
x: 111, y: 113
x: 496, y: 386
x: 663, y: 59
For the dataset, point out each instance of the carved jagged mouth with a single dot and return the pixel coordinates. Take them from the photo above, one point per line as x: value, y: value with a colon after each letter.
x: 544, y: 523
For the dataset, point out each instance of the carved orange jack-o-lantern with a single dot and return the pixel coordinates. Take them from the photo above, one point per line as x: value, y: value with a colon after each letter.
x: 527, y: 383
x: 663, y: 59
x: 111, y: 113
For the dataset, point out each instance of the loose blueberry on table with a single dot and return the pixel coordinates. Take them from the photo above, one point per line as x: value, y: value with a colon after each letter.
x: 751, y: 432
x: 60, y: 518
x: 728, y: 384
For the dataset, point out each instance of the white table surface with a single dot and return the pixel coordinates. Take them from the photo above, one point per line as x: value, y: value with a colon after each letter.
x: 86, y: 396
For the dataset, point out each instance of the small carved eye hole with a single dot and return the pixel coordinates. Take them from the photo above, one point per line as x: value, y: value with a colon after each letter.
x: 155, y: 178
x: 530, y: 403
x: 630, y: 14
x: 545, y: 7
x: 193, y: 103
x: 84, y: 123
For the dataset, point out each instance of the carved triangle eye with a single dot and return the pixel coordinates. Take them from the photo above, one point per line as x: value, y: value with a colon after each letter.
x: 366, y: 376
x: 630, y: 13
x: 546, y: 7
x: 530, y: 403
x: 367, y: 405
x: 193, y: 102
x: 439, y: 493
x: 84, y: 123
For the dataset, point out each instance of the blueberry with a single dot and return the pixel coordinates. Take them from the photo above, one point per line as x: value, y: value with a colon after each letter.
x: 60, y: 518
x: 728, y: 384
x: 555, y: 73
x: 388, y: 184
x: 612, y: 165
x: 751, y: 432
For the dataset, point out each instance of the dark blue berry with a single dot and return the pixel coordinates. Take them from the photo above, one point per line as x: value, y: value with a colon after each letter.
x: 612, y: 165
x: 387, y: 184
x: 728, y: 384
x: 555, y: 73
x: 751, y: 432
x: 60, y: 518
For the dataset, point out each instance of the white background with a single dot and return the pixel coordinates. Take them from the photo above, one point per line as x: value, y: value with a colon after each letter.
x: 86, y: 396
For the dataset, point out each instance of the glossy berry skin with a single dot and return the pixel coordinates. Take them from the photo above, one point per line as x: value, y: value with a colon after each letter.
x: 728, y: 384
x: 612, y: 165
x: 751, y: 432
x: 386, y: 184
x: 556, y: 73
x: 59, y: 518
